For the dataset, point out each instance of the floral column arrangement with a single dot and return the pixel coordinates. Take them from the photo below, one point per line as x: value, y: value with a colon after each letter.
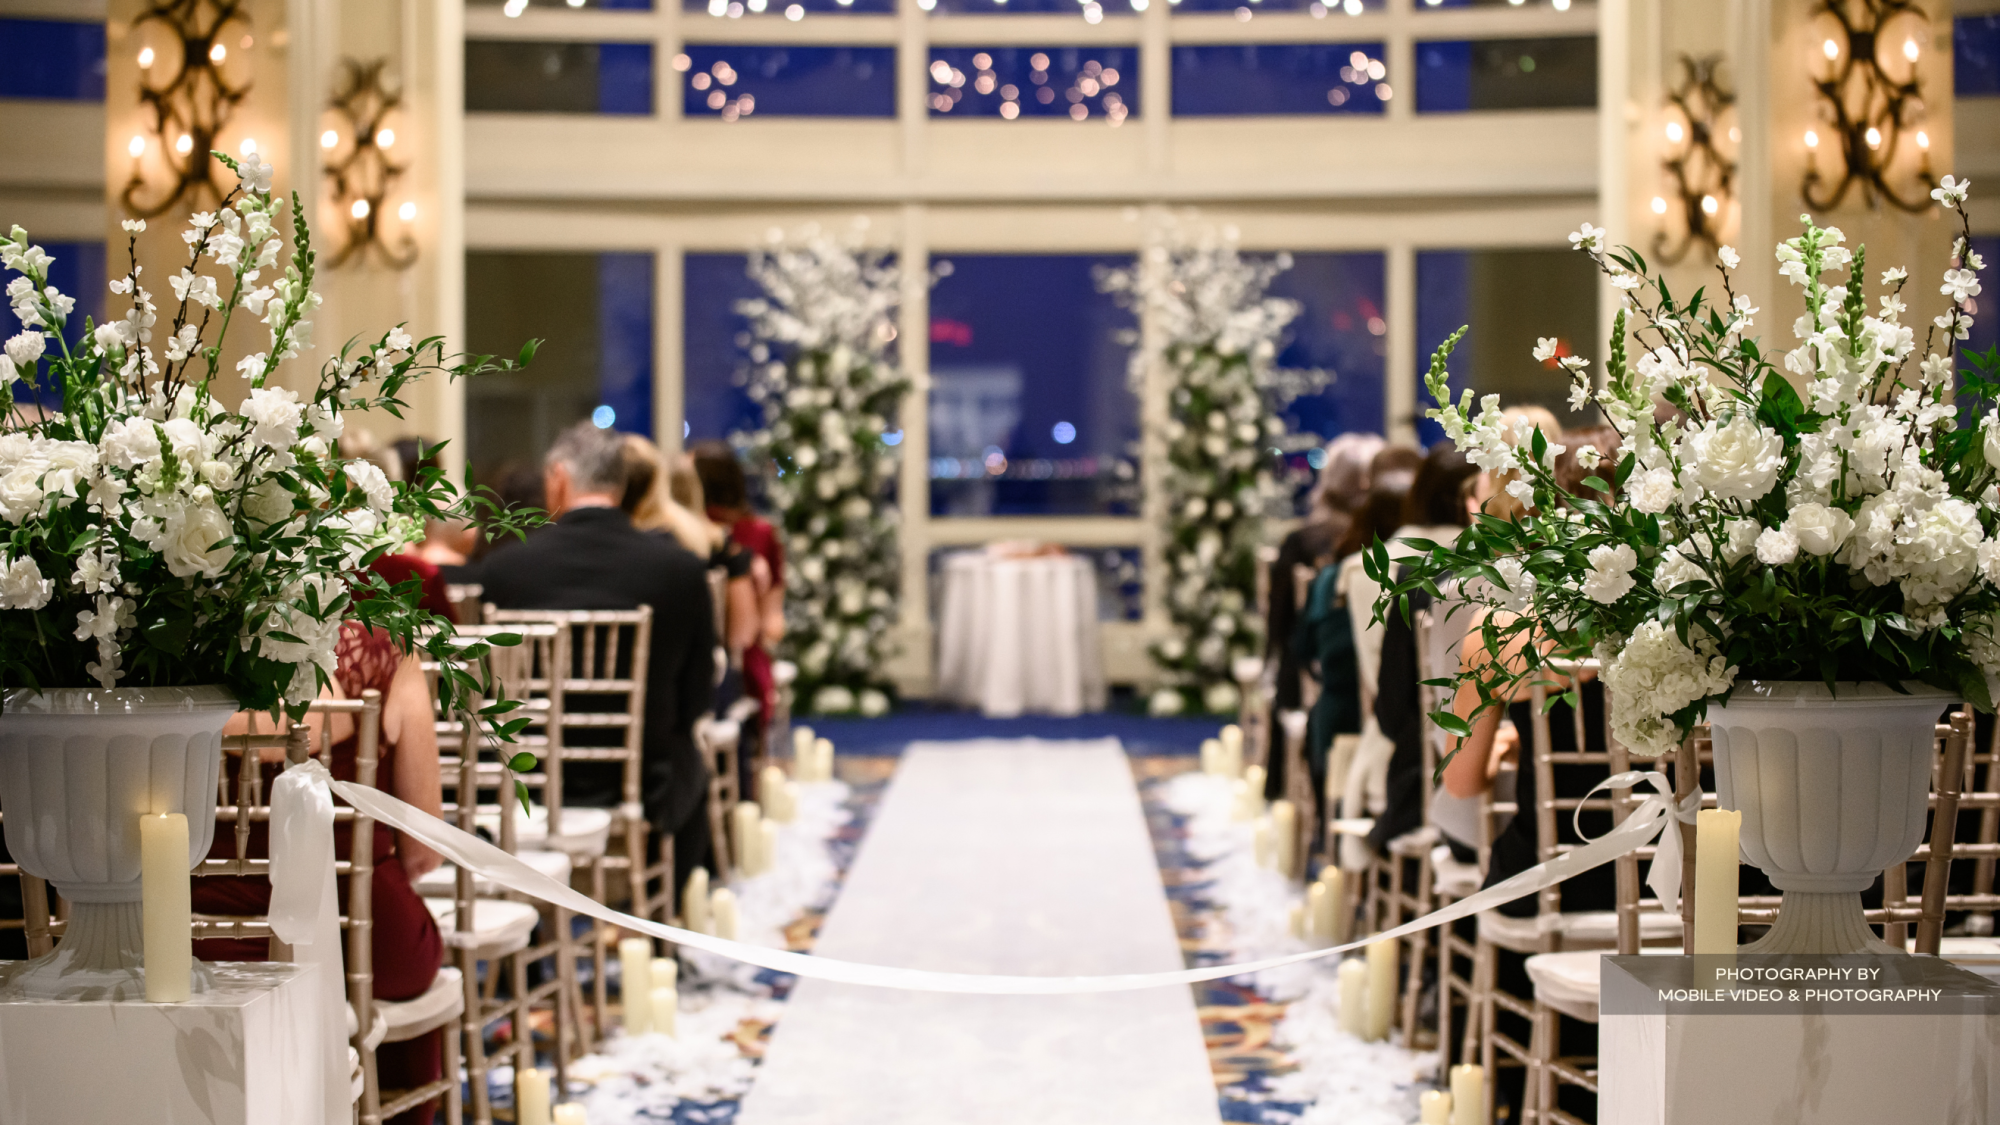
x: 1214, y: 335
x: 822, y: 368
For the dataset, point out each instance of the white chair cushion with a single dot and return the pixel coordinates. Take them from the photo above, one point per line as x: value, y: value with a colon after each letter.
x: 586, y: 832
x: 1414, y: 843
x: 442, y: 882
x: 1450, y: 878
x: 1353, y: 826
x: 1974, y: 954
x: 1594, y: 929
x: 500, y: 926
x: 1570, y: 981
x: 442, y: 1002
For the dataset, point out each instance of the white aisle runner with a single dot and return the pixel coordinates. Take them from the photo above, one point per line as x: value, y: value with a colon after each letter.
x: 1002, y: 857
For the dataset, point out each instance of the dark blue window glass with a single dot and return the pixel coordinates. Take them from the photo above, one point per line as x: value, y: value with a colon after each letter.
x: 77, y: 270
x: 1454, y: 76
x: 736, y: 80
x: 1218, y: 80
x: 565, y: 5
x: 1986, y: 328
x: 1975, y: 47
x: 1510, y: 298
x: 53, y: 59
x: 1032, y: 7
x: 1030, y: 412
x: 1015, y: 82
x: 1318, y: 8
x: 524, y: 76
x: 713, y: 339
x: 1340, y: 329
x: 594, y: 316
x: 736, y: 9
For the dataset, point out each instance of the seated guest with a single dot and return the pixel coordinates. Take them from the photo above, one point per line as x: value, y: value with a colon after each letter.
x: 727, y: 492
x: 401, y: 565
x: 592, y: 557
x: 649, y: 500
x: 405, y: 946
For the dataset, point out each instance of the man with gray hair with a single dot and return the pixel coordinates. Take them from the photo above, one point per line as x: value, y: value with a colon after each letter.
x: 592, y: 557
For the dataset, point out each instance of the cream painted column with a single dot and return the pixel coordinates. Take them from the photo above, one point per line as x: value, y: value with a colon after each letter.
x: 1156, y: 84
x: 1402, y: 61
x: 1399, y: 382
x: 1153, y: 416
x: 669, y: 352
x: 1620, y: 114
x: 912, y: 667
x: 912, y: 86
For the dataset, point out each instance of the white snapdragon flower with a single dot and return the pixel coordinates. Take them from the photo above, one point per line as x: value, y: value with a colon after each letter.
x: 1818, y: 529
x: 25, y: 348
x: 1738, y: 461
x: 1610, y: 576
x: 1653, y: 676
x: 255, y: 173
x: 1523, y: 492
x: 22, y: 585
x: 1776, y: 546
x: 1588, y: 457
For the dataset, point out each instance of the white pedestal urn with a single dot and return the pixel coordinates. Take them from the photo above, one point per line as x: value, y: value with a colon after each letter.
x: 1833, y: 789
x: 78, y: 768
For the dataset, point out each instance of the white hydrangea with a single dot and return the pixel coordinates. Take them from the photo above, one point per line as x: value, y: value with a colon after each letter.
x: 1653, y: 676
x: 22, y: 585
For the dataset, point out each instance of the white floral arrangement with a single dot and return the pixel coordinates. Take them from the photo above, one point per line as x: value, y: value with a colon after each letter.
x: 1745, y: 530
x: 822, y: 368
x: 150, y: 536
x: 1218, y: 335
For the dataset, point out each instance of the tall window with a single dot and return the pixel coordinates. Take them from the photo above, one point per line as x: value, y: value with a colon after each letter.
x: 713, y: 338
x: 76, y: 270
x: 594, y: 316
x: 57, y: 60
x: 527, y: 76
x: 1340, y: 330
x: 1510, y: 299
x: 1454, y: 76
x: 1030, y: 411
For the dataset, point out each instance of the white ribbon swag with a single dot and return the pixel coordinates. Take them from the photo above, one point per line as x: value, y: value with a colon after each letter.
x: 305, y: 910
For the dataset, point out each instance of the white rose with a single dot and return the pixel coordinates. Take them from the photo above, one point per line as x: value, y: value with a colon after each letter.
x: 21, y: 493
x: 187, y: 441
x: 1652, y: 491
x: 1819, y: 529
x: 1610, y: 576
x: 1741, y: 540
x: 1776, y: 546
x: 130, y: 443
x: 274, y: 415
x: 197, y: 541
x: 1739, y: 461
x: 268, y: 503
x: 373, y: 483
x: 22, y: 585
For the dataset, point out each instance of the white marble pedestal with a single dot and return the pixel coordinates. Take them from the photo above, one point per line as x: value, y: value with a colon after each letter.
x: 1918, y: 1044
x: 246, y: 1053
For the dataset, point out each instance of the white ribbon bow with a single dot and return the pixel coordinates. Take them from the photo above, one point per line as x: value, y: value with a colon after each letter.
x: 1665, y: 876
x: 305, y: 911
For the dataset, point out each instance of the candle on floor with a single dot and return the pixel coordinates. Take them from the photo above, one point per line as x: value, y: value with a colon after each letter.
x: 1381, y: 988
x: 1319, y: 920
x: 1468, y: 1094
x: 767, y: 846
x: 771, y: 791
x: 1717, y: 835
x: 1261, y: 842
x: 722, y: 907
x: 571, y: 1113
x: 1354, y: 997
x: 165, y: 910
x: 1231, y: 737
x: 1298, y: 920
x: 745, y: 835
x: 666, y: 1007
x: 1254, y: 776
x: 802, y: 744
x: 823, y: 751
x: 1332, y: 923
x: 1284, y: 837
x: 635, y: 984
x: 1435, y: 1107
x: 666, y: 972
x: 694, y: 902
x: 1211, y: 756
x: 531, y: 1097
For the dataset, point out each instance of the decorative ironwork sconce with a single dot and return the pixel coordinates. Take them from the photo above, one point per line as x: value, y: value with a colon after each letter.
x: 1870, y: 101
x: 192, y: 76
x: 359, y: 170
x: 1703, y: 174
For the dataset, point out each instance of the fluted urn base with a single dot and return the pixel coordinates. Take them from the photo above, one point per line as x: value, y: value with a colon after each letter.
x: 1820, y: 923
x: 102, y: 956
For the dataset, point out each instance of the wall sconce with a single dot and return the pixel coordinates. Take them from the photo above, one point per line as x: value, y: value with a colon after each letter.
x: 1864, y: 66
x: 1703, y: 174
x: 194, y: 71
x: 359, y: 169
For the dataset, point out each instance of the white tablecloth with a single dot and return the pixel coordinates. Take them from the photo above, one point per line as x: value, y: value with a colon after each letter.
x: 1019, y: 635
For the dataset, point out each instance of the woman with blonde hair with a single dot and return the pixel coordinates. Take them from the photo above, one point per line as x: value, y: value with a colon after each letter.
x: 649, y: 500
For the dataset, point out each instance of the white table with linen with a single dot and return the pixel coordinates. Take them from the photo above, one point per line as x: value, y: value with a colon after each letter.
x: 1018, y: 634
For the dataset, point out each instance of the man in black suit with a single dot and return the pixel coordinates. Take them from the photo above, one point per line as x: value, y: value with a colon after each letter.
x: 592, y: 557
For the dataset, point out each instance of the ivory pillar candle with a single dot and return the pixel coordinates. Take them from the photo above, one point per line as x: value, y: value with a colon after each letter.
x: 1381, y: 988
x: 1231, y: 737
x: 635, y: 984
x: 666, y: 972
x: 1336, y: 917
x: 1254, y: 775
x: 1298, y: 920
x: 1284, y: 837
x: 1468, y: 1094
x: 1434, y: 1108
x: 1717, y: 833
x: 571, y: 1113
x: 802, y: 744
x: 1211, y: 756
x: 722, y: 906
x: 823, y: 753
x: 1319, y: 920
x: 771, y: 791
x: 1261, y: 842
x: 694, y: 902
x: 745, y: 835
x: 1354, y: 997
x: 531, y: 1097
x: 666, y: 1007
x: 165, y: 909
x: 767, y: 846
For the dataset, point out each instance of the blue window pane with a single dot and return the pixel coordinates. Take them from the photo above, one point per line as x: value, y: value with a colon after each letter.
x: 1032, y: 7
x: 1340, y: 329
x: 564, y: 5
x: 594, y: 316
x: 77, y: 270
x: 1318, y: 9
x: 736, y: 9
x: 1434, y: 5
x: 526, y: 76
x: 1030, y: 413
x: 1975, y: 45
x: 1454, y: 76
x: 1509, y: 298
x: 1015, y: 82
x: 736, y: 80
x: 1278, y: 78
x: 713, y: 338
x: 1986, y: 329
x: 53, y: 59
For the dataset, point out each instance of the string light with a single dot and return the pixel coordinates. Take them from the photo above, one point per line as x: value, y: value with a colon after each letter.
x: 360, y: 209
x: 217, y: 53
x: 385, y: 138
x: 1812, y: 139
x: 145, y: 58
x: 1659, y: 205
x: 137, y: 147
x: 1710, y: 205
x: 329, y: 139
x: 1674, y: 132
x: 185, y: 145
x: 407, y: 212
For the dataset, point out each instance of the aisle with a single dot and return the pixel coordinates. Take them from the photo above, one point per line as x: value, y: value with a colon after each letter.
x: 1004, y: 857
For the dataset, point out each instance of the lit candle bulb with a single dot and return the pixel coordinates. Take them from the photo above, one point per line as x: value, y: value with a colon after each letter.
x: 694, y: 902
x: 1354, y: 997
x: 531, y: 1097
x: 1717, y: 838
x: 165, y: 911
x: 1254, y: 776
x: 1381, y: 988
x: 635, y: 984
x: 1284, y: 837
x: 1434, y: 1107
x: 722, y: 906
x: 1468, y: 1094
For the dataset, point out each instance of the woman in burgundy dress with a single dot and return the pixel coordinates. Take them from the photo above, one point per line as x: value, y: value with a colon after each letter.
x: 406, y: 946
x: 728, y: 495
